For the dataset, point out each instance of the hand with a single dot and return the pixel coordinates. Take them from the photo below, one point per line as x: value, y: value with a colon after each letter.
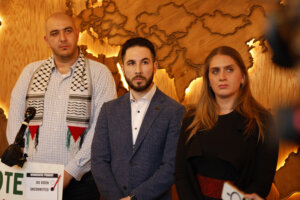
x: 126, y: 198
x: 67, y: 179
x: 252, y: 196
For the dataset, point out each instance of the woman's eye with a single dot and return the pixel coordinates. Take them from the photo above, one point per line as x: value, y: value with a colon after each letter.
x: 214, y: 71
x: 229, y: 69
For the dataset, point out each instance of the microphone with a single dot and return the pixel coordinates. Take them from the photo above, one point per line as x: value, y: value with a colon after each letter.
x: 288, y: 123
x: 29, y: 115
x: 14, y: 154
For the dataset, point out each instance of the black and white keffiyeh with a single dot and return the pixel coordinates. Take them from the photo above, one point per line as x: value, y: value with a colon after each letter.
x: 79, y: 104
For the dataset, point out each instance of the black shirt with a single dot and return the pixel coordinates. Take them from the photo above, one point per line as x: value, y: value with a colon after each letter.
x: 225, y: 152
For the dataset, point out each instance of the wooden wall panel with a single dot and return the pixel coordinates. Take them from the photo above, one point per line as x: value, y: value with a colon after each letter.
x: 21, y: 38
x: 3, y: 140
x: 183, y: 31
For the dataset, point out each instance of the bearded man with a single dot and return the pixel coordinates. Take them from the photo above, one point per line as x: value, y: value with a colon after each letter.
x: 134, y: 146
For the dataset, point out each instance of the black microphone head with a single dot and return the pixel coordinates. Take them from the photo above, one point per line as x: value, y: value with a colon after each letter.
x: 283, y: 34
x: 30, y: 113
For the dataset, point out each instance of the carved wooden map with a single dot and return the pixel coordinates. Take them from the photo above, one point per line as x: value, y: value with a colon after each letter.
x: 183, y: 31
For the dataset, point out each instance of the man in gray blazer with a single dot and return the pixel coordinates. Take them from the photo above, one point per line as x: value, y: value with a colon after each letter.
x: 134, y: 145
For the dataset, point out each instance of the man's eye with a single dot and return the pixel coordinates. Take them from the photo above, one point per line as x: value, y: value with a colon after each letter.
x: 145, y: 62
x: 130, y: 63
x: 69, y: 30
x: 53, y: 34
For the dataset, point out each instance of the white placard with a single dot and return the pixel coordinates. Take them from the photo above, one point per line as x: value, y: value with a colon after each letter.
x: 34, y: 181
x: 231, y: 193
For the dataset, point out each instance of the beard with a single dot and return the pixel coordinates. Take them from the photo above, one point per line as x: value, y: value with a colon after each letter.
x: 139, y: 87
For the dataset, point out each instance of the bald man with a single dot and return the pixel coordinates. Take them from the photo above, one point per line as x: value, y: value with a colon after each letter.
x: 67, y: 91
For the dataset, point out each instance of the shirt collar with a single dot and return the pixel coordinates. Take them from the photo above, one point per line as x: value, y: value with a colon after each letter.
x: 147, y: 97
x: 53, y: 67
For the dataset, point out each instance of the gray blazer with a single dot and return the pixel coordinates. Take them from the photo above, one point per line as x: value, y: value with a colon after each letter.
x: 145, y: 169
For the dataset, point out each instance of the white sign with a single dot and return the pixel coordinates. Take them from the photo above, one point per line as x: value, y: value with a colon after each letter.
x: 231, y: 193
x: 34, y: 181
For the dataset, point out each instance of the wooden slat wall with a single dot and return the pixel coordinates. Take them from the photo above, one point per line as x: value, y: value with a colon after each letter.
x: 21, y: 39
x: 3, y: 141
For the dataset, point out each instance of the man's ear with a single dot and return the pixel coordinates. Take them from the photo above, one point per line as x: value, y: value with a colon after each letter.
x: 155, y: 66
x: 77, y: 33
x: 46, y: 40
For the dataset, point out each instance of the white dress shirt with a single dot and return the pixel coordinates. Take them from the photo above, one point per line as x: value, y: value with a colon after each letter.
x: 138, y: 111
x: 53, y: 131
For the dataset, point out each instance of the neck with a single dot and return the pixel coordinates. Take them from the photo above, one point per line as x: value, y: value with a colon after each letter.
x: 137, y: 95
x: 225, y: 105
x: 63, y: 64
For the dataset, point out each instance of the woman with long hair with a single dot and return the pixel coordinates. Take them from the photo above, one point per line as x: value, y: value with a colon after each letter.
x: 226, y: 136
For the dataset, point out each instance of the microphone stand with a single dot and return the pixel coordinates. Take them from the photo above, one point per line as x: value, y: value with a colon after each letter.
x: 14, y: 154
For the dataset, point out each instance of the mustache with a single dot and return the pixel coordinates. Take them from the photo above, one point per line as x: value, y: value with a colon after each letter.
x: 139, y: 76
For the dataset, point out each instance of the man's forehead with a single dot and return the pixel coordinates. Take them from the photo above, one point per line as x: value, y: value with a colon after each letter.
x: 59, y: 15
x: 138, y: 53
x: 137, y: 57
x: 59, y: 22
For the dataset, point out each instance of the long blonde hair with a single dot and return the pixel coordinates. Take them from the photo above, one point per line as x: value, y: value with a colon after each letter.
x: 206, y: 112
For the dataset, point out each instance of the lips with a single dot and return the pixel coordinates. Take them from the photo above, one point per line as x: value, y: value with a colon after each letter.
x: 223, y: 86
x: 139, y: 78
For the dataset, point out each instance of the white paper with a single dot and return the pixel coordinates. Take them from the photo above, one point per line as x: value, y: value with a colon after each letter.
x: 231, y: 193
x: 42, y: 186
x: 31, y: 182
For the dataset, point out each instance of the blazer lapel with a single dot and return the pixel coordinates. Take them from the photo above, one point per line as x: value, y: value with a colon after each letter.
x: 124, y: 114
x: 153, y: 111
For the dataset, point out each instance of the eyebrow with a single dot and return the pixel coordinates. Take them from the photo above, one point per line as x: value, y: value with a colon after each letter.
x: 221, y: 67
x: 69, y: 27
x: 143, y: 59
x: 131, y: 60
x: 55, y: 30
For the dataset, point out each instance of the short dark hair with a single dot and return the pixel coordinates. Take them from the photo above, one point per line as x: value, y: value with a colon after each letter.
x: 138, y: 41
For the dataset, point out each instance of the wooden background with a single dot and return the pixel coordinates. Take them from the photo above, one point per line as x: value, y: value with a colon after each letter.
x: 21, y: 42
x: 22, y: 32
x: 21, y: 39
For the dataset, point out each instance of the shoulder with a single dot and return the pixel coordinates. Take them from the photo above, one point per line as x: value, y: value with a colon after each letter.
x: 29, y: 70
x: 101, y: 76
x: 187, y: 120
x: 118, y: 101
x: 31, y: 67
x: 168, y: 101
x: 97, y: 67
x: 263, y: 116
